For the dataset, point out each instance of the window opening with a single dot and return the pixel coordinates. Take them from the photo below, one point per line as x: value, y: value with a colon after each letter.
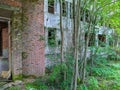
x: 51, y: 36
x: 101, y: 40
x: 51, y: 6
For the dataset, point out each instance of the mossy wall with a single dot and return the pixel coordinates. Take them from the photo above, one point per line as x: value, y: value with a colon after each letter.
x: 27, y: 50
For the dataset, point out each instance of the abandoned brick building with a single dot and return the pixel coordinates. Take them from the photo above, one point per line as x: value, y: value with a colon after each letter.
x: 24, y: 51
x: 25, y: 34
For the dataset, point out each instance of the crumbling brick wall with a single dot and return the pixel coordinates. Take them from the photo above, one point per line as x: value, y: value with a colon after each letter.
x: 31, y: 45
x: 5, y: 42
x: 13, y: 3
x: 33, y: 36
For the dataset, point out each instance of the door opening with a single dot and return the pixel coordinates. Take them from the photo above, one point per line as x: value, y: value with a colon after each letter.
x: 4, y: 51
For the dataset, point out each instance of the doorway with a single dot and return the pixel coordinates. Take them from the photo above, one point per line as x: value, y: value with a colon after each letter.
x: 5, y: 43
x: 4, y: 49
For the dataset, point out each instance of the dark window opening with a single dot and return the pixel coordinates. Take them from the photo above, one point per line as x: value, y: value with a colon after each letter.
x: 91, y: 37
x: 64, y: 7
x: 71, y: 10
x: 51, y: 6
x: 0, y: 42
x: 52, y: 37
x: 2, y: 37
x: 4, y: 52
x: 101, y: 40
x: 59, y: 42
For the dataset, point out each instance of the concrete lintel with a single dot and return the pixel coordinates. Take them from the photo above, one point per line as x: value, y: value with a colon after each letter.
x: 11, y: 8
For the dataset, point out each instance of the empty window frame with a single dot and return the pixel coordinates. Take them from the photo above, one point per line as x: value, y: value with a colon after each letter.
x: 52, y: 37
x: 64, y: 8
x: 71, y: 10
x: 51, y: 6
x: 101, y: 40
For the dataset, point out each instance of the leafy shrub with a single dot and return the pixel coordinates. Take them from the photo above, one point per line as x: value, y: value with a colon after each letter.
x: 93, y: 84
x: 14, y: 88
x: 82, y: 87
x: 114, y: 54
x: 36, y: 85
x: 104, y: 72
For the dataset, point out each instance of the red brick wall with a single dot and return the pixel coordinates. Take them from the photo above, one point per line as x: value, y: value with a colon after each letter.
x: 11, y: 3
x: 5, y: 38
x: 34, y: 64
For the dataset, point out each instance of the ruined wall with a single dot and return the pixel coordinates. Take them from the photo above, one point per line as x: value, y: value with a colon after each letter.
x: 27, y: 44
x: 5, y: 42
x: 13, y: 3
x: 53, y: 21
x: 33, y: 37
x: 15, y: 57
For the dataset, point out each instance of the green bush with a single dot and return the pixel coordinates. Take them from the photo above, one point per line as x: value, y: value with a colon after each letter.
x: 102, y: 71
x: 93, y: 84
x: 82, y: 87
x: 37, y: 85
x: 14, y: 88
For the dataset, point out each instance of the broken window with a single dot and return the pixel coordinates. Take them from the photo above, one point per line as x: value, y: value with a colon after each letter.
x: 101, y: 40
x: 3, y: 37
x: 64, y: 7
x: 59, y: 42
x: 52, y: 36
x: 91, y: 37
x: 71, y: 10
x: 0, y: 42
x: 51, y: 6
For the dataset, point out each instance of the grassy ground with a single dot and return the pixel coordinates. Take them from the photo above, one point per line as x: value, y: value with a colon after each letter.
x: 112, y: 81
x: 106, y: 77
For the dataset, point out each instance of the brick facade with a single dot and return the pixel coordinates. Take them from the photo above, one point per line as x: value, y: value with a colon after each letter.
x: 5, y: 42
x: 31, y: 44
x: 34, y: 48
x: 13, y: 3
x: 5, y: 38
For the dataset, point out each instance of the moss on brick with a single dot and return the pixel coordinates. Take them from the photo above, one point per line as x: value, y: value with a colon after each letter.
x: 7, y: 7
x: 29, y: 76
x: 17, y: 77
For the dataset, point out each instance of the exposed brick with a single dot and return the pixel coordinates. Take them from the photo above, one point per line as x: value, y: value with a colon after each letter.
x: 11, y: 3
x: 34, y: 64
x: 5, y: 38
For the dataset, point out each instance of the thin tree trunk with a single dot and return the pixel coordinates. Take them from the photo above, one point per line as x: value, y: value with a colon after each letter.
x: 76, y: 38
x: 62, y: 34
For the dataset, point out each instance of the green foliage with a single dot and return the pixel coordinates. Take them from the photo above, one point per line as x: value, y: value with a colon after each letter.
x: 102, y: 71
x: 36, y: 85
x: 82, y: 87
x: 41, y: 38
x: 54, y: 76
x: 24, y: 55
x: 14, y: 88
x: 93, y: 84
x: 115, y: 66
x: 113, y: 54
x: 51, y: 2
x: 52, y: 37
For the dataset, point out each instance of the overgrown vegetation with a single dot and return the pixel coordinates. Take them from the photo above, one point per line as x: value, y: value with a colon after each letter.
x: 75, y: 70
x: 105, y: 76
